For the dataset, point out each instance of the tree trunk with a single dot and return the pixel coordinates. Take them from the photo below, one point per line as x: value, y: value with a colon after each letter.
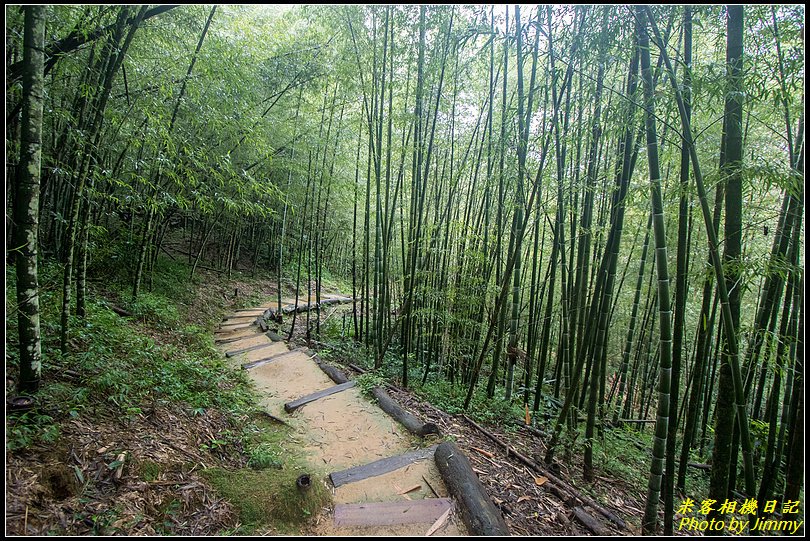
x: 517, y: 221
x: 111, y: 61
x: 730, y: 327
x: 501, y: 322
x: 583, y: 259
x: 600, y: 303
x: 26, y: 201
x: 732, y: 168
x: 142, y: 253
x: 650, y: 522
x: 418, y: 181
x: 628, y: 343
x: 702, y: 353
x: 681, y: 284
x: 794, y: 474
x: 81, y: 272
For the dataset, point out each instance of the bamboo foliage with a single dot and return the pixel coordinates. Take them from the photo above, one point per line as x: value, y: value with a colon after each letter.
x: 466, y: 174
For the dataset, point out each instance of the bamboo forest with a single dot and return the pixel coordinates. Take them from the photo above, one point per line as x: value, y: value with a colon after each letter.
x: 372, y: 270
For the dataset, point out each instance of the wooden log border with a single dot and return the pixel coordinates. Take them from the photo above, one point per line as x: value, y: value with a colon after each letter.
x: 379, y: 467
x: 335, y: 374
x: 273, y: 312
x: 390, y: 513
x: 277, y: 356
x: 236, y: 352
x: 477, y: 511
x: 407, y: 420
x: 225, y: 341
x: 290, y: 407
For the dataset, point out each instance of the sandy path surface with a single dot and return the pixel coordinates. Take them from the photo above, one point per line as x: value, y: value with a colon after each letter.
x: 345, y: 430
x: 271, y: 349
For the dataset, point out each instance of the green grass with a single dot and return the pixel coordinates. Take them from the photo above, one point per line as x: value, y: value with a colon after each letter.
x: 625, y: 453
x: 366, y: 382
x: 116, y: 366
x: 125, y: 367
x: 149, y: 470
x: 450, y: 398
x: 152, y: 308
x: 264, y: 493
x: 265, y: 445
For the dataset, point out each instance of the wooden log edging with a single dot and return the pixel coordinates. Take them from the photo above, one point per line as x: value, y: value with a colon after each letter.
x: 390, y: 513
x: 565, y: 492
x: 225, y: 341
x: 247, y: 310
x: 239, y: 324
x: 272, y: 313
x: 335, y: 374
x: 254, y: 364
x: 236, y: 352
x: 220, y: 331
x: 588, y: 520
x: 407, y: 420
x: 388, y: 385
x: 290, y: 407
x: 477, y: 511
x: 388, y: 405
x: 380, y: 467
x: 246, y: 318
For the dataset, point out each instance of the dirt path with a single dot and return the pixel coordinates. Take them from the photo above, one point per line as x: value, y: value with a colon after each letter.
x: 337, y: 432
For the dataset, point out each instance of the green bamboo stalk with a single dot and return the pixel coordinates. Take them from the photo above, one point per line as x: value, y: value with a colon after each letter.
x: 717, y: 264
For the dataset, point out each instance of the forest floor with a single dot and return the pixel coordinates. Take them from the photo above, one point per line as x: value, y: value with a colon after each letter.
x: 521, y: 494
x: 126, y: 421
x: 518, y: 491
x: 528, y: 507
x: 104, y: 457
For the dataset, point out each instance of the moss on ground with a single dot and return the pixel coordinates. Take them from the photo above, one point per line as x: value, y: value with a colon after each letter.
x: 269, y: 496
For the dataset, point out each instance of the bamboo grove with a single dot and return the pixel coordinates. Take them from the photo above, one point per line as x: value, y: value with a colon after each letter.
x: 595, y: 211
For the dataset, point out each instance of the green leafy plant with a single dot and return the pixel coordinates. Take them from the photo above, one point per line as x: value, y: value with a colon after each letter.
x: 366, y: 382
x: 263, y: 456
x: 29, y: 428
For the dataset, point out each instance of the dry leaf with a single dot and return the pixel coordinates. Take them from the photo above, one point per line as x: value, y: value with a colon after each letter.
x: 439, y: 522
x: 540, y: 481
x: 120, y: 469
x: 485, y: 453
x: 524, y: 498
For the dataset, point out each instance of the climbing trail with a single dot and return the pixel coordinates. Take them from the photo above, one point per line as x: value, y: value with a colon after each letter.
x: 385, y: 480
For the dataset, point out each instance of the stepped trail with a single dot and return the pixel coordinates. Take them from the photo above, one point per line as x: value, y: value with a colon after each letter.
x: 384, y: 480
